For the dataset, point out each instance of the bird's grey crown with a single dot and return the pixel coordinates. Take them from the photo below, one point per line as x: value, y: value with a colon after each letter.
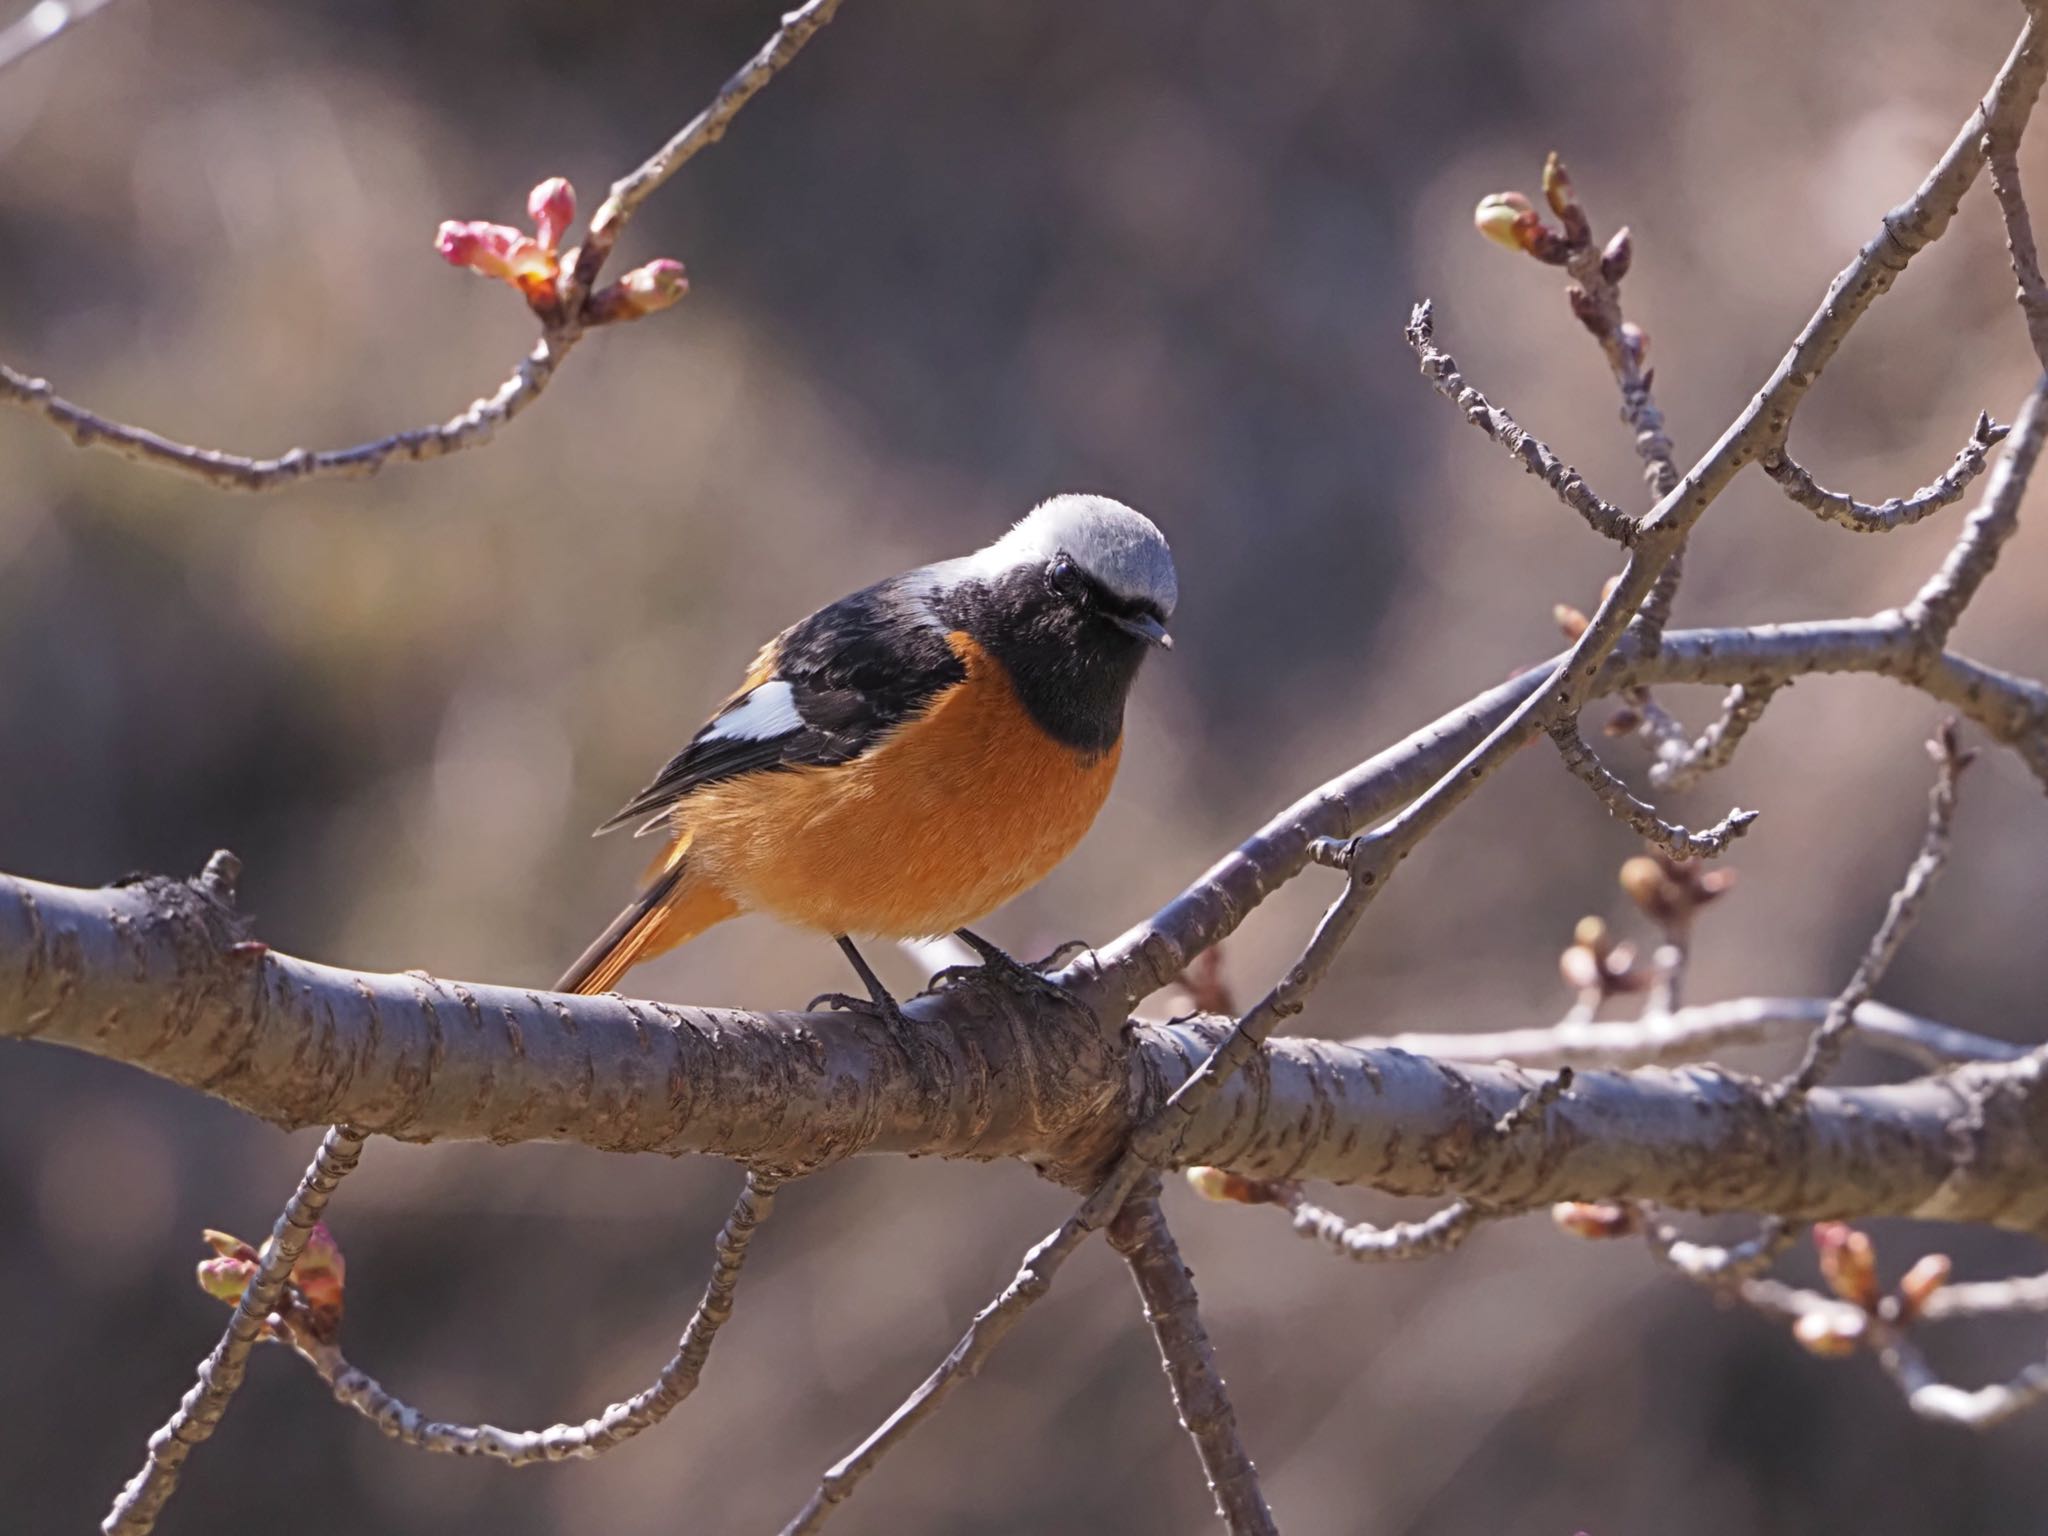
x: 1113, y: 543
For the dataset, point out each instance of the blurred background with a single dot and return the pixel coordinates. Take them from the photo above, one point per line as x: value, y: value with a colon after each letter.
x: 963, y: 254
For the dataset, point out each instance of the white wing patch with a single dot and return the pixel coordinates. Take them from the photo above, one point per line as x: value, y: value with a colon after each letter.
x: 769, y: 711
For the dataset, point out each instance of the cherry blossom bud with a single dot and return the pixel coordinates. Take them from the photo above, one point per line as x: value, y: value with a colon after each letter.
x: 552, y: 207
x: 1593, y: 1218
x: 1503, y: 217
x: 1927, y: 1276
x: 1570, y: 620
x: 1830, y: 1334
x: 1222, y: 1184
x: 1557, y: 186
x: 317, y: 1276
x: 1848, y: 1262
x: 225, y: 1278
x: 1615, y: 259
x: 642, y: 291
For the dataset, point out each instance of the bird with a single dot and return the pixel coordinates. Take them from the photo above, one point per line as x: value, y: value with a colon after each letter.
x: 908, y: 758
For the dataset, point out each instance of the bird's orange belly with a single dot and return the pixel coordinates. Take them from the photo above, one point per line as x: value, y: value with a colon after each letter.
x: 945, y: 821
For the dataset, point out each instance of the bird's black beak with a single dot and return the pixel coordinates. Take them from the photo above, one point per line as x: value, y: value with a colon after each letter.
x: 1146, y: 628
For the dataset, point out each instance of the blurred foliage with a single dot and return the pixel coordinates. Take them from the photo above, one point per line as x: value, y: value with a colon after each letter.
x: 966, y: 253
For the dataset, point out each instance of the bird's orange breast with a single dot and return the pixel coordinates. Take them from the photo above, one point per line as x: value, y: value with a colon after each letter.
x: 951, y: 816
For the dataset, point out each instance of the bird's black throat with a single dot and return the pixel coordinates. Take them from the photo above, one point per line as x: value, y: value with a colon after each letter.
x: 1070, y: 662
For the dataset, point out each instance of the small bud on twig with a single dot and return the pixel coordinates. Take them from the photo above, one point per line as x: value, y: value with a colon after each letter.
x: 552, y: 207
x: 1848, y: 1262
x: 1598, y: 1219
x: 1928, y: 1275
x: 1830, y: 1334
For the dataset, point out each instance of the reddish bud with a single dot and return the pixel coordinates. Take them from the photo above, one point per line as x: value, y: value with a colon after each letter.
x: 552, y: 207
x: 1570, y: 620
x: 226, y: 1278
x: 1593, y: 1218
x: 642, y: 291
x: 1503, y: 216
x: 1617, y: 257
x: 317, y: 1277
x: 496, y: 250
x: 1830, y: 1334
x: 1928, y: 1275
x: 1848, y: 1262
x: 1557, y: 186
x: 1625, y: 721
x: 1221, y: 1184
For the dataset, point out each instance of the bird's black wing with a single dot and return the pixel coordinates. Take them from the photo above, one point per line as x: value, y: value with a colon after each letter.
x: 824, y: 692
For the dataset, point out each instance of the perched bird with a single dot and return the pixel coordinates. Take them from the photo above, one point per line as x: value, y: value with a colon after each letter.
x: 909, y: 758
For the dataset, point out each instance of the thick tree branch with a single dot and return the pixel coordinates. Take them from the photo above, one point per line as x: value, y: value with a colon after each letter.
x: 151, y: 974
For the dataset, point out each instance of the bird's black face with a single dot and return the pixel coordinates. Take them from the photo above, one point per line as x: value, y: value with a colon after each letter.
x: 1071, y: 646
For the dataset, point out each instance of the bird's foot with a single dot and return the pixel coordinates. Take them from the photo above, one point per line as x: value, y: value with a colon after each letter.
x: 999, y: 968
x: 884, y: 1008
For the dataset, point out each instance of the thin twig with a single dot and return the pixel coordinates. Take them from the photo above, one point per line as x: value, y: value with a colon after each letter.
x: 1987, y: 1298
x: 2001, y: 156
x: 1825, y: 1048
x: 135, y: 1511
x: 477, y: 425
x: 1933, y: 612
x: 1699, y: 1032
x: 1529, y: 451
x: 1944, y: 490
x: 695, y: 136
x: 1680, y: 764
x: 1638, y: 815
x: 991, y: 1324
x: 1141, y: 1235
x: 1714, y: 1264
x: 619, y: 1423
x: 1932, y: 1398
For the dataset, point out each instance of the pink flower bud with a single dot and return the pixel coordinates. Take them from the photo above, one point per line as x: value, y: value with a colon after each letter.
x: 1848, y: 1262
x: 1597, y: 1219
x: 495, y: 250
x: 641, y: 291
x: 1831, y: 1334
x: 225, y: 1279
x: 656, y: 285
x: 1503, y: 217
x: 552, y: 207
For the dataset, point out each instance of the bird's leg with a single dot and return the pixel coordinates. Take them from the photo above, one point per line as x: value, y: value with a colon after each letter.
x: 878, y: 1002
x: 998, y: 965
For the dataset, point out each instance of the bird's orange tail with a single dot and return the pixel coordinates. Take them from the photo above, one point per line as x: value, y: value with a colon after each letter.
x: 671, y: 910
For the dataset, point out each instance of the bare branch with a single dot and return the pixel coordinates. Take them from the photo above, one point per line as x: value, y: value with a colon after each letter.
x: 2001, y: 151
x: 1437, y: 1233
x: 1932, y: 1398
x: 1901, y: 511
x: 1529, y: 451
x: 1680, y: 765
x: 1141, y: 1235
x: 1713, y: 1264
x: 1987, y: 1298
x: 1825, y: 1048
x: 135, y: 1511
x: 676, y: 1380
x: 1699, y: 1032
x: 1638, y: 815
x: 695, y: 136
x: 1940, y: 603
x: 233, y: 472
x: 478, y: 424
x: 991, y: 1324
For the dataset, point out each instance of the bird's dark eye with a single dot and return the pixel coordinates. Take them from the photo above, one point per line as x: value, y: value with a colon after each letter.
x: 1064, y: 576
